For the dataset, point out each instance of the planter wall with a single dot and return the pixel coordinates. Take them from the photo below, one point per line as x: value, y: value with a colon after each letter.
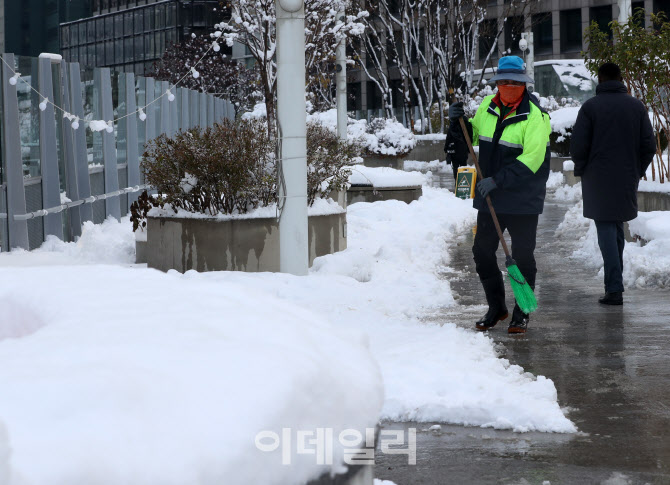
x: 653, y: 201
x: 369, y: 194
x: 396, y: 162
x: 427, y: 151
x: 233, y: 245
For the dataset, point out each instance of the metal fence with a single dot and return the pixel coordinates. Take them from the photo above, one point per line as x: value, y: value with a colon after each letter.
x: 54, y: 178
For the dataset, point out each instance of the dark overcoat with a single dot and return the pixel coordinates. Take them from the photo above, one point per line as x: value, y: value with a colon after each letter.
x: 612, y: 145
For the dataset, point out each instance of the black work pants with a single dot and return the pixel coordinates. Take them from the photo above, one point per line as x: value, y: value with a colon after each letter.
x: 522, y: 229
x: 611, y: 241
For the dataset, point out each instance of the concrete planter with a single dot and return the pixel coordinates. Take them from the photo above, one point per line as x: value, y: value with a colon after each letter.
x: 570, y: 177
x: 391, y: 161
x: 233, y: 245
x: 427, y: 151
x: 653, y: 201
x: 367, y: 193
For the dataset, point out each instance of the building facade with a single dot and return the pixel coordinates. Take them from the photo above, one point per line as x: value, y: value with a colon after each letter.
x: 130, y: 35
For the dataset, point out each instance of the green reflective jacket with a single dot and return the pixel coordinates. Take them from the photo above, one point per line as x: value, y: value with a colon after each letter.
x: 515, y: 152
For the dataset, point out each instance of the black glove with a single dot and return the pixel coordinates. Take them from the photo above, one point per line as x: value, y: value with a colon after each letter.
x: 456, y: 110
x: 486, y: 186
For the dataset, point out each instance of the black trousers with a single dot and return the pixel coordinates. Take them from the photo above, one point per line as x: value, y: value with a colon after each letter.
x: 522, y: 229
x: 612, y: 241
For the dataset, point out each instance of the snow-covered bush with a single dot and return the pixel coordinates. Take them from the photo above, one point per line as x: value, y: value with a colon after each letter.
x: 327, y: 161
x: 231, y: 168
x: 227, y: 169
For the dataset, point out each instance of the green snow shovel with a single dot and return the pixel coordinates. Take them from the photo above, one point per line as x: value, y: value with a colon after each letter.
x: 523, y: 293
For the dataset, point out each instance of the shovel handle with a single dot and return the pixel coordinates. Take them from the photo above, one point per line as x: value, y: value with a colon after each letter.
x: 480, y: 174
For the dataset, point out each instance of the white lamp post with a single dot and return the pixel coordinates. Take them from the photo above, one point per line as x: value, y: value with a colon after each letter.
x: 341, y: 82
x: 291, y: 118
x: 526, y: 43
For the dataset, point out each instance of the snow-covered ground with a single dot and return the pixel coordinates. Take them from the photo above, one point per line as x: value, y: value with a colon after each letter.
x: 436, y: 165
x: 115, y: 373
x: 646, y: 263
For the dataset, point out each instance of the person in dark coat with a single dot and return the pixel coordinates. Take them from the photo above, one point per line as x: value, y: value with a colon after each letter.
x: 612, y: 145
x: 456, y: 147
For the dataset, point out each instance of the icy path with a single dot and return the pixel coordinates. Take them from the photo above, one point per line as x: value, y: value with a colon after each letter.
x: 609, y: 365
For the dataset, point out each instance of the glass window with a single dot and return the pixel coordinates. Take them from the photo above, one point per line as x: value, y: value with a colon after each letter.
x: 149, y: 46
x: 160, y: 43
x: 100, y: 54
x: 148, y: 19
x: 602, y: 16
x: 160, y: 17
x: 139, y: 47
x: 171, y: 20
x: 128, y: 49
x: 82, y: 54
x: 99, y: 28
x: 128, y: 23
x: 139, y: 25
x: 82, y: 33
x: 118, y: 26
x: 109, y: 52
x: 171, y: 37
x: 571, y: 30
x: 488, y: 30
x: 543, y: 35
x: 29, y: 117
x: 65, y: 36
x: 74, y: 34
x: 118, y: 51
x: 90, y: 26
x: 109, y: 27
x: 92, y: 61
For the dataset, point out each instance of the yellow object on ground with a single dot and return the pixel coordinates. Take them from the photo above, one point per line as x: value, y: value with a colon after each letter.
x: 465, y: 182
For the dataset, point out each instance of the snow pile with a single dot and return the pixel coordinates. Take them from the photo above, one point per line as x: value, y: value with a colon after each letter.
x: 644, y: 265
x: 97, y: 125
x: 111, y: 242
x: 128, y: 380
x: 384, y: 177
x: 567, y: 193
x: 650, y: 185
x: 381, y: 136
x: 562, y: 121
x: 555, y: 180
x: 568, y: 165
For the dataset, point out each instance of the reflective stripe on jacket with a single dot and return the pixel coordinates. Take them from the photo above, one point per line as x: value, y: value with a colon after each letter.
x: 515, y: 152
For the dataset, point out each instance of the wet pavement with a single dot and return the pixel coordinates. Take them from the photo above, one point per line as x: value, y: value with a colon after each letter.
x: 610, y: 365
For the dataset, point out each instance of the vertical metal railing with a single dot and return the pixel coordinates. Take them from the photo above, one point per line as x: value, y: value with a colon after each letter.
x: 89, y: 169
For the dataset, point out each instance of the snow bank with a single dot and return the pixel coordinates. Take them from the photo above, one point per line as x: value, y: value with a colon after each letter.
x: 128, y: 380
x: 650, y: 185
x: 569, y: 193
x: 568, y: 165
x: 385, y: 283
x: 385, y: 177
x: 644, y: 266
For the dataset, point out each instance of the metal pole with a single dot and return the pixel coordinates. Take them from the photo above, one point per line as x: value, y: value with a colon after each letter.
x: 624, y: 11
x: 341, y: 80
x: 530, y: 61
x: 291, y: 120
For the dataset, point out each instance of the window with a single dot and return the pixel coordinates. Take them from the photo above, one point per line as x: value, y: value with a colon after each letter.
x: 514, y: 26
x: 128, y: 23
x: 139, y: 24
x: 374, y: 97
x: 662, y: 6
x: 543, y: 35
x: 602, y: 16
x: 160, y: 17
x: 90, y: 25
x: 109, y: 27
x: 571, y: 30
x: 65, y: 36
x: 118, y: 51
x: 488, y: 31
x: 139, y: 48
x: 148, y: 19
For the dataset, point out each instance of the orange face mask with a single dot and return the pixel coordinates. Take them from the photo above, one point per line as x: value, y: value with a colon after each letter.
x: 510, y: 94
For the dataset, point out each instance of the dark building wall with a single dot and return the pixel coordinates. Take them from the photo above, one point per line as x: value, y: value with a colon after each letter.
x: 31, y: 27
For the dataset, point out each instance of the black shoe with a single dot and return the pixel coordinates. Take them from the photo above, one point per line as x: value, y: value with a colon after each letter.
x: 519, y: 323
x: 615, y: 298
x: 494, y: 288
